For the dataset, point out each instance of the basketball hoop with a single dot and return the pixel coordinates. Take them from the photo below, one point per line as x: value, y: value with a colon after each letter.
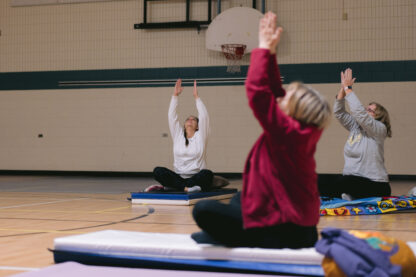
x: 233, y: 53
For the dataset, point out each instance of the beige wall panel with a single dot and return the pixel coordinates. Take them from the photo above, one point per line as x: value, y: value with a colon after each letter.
x: 123, y: 129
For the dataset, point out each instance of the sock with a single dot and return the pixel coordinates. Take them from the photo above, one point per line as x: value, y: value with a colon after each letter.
x: 347, y: 197
x: 193, y: 189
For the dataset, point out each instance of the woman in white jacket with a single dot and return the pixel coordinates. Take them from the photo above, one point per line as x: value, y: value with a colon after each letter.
x: 189, y: 149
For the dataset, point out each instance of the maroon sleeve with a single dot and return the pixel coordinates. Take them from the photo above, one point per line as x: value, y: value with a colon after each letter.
x: 262, y: 99
x: 275, y: 78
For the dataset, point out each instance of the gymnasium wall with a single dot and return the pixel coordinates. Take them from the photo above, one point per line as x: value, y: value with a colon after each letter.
x: 49, y: 126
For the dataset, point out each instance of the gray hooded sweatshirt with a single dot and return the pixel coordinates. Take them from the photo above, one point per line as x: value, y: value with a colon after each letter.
x: 364, y: 149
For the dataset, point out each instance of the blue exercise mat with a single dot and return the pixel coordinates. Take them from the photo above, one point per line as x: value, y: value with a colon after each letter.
x: 179, y: 198
x: 181, y: 252
x: 187, y: 264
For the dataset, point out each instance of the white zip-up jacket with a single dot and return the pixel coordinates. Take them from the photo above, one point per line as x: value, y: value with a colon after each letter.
x: 188, y: 160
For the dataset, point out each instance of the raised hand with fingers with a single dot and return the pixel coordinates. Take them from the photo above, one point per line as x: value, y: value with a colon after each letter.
x: 195, y: 92
x: 178, y: 88
x: 346, y: 78
x: 269, y: 34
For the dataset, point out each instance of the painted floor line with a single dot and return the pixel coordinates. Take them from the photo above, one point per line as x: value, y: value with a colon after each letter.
x: 66, y: 211
x: 112, y: 209
x: 18, y: 268
x: 42, y: 203
x: 40, y: 231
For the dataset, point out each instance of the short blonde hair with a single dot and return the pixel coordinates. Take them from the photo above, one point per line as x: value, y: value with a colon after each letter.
x: 308, y: 106
x: 382, y: 115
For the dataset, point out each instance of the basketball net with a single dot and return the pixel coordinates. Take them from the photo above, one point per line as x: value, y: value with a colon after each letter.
x: 233, y: 53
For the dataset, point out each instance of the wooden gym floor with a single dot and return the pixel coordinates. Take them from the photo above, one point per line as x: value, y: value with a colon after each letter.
x: 36, y: 209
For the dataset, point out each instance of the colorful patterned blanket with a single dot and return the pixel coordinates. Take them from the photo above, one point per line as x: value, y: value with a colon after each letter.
x: 366, y: 206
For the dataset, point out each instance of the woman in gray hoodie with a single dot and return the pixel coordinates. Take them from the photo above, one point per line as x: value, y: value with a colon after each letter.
x: 364, y: 173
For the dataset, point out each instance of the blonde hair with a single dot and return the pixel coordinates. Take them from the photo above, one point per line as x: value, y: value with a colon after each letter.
x: 382, y: 115
x: 308, y: 106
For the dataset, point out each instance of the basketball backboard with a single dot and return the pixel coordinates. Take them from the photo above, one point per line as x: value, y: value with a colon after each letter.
x: 238, y: 25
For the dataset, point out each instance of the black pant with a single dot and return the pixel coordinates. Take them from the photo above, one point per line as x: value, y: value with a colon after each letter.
x: 224, y: 224
x: 357, y: 187
x: 168, y: 178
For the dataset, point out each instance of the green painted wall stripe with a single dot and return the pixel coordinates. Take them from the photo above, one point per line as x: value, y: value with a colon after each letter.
x: 383, y: 71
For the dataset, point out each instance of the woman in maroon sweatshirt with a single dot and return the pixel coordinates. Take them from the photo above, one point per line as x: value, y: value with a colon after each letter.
x: 279, y: 203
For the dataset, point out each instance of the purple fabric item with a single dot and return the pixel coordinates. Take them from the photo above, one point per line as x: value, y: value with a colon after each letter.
x: 71, y: 269
x: 354, y: 256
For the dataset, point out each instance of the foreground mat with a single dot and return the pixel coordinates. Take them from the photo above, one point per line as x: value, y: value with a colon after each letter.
x: 179, y: 198
x: 367, y: 206
x: 71, y: 269
x: 180, y: 252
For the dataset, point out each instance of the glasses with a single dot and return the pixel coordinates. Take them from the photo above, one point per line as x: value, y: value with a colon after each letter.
x: 368, y: 109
